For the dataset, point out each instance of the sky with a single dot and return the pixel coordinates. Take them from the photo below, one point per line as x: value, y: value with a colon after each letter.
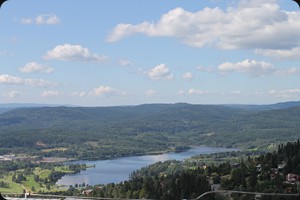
x: 131, y: 52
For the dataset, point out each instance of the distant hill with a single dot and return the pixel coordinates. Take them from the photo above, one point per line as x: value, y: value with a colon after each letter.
x: 101, y: 132
x: 277, y: 106
x: 11, y: 106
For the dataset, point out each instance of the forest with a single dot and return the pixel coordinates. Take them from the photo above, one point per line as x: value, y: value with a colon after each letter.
x: 106, y: 132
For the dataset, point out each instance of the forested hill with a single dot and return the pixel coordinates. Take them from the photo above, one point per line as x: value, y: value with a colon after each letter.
x: 277, y: 106
x: 99, y: 132
x: 94, y: 117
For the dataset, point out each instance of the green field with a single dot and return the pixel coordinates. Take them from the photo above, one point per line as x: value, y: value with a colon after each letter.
x: 13, y: 187
x: 30, y: 184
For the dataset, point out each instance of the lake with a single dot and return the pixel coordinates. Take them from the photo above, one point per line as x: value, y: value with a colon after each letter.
x: 117, y: 170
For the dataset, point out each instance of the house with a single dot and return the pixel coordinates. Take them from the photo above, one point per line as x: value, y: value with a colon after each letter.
x: 281, y: 166
x: 292, y: 177
x: 273, y: 173
x: 258, y: 168
x: 235, y: 165
x: 87, y: 192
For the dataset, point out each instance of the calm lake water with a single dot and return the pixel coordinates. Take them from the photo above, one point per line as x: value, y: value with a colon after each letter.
x: 117, y: 170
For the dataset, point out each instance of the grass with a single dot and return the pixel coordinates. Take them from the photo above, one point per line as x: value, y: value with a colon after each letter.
x: 271, y: 147
x: 44, y: 174
x: 13, y: 187
x: 29, y: 184
x: 63, y: 169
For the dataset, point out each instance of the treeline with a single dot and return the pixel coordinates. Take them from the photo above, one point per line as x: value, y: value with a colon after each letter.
x: 4, y: 184
x: 188, y: 184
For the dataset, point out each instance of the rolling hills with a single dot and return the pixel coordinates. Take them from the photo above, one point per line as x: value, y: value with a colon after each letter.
x: 105, y: 132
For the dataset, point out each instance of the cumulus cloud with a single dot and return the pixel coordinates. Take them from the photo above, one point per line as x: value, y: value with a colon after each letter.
x: 12, y: 94
x: 284, y: 93
x: 187, y: 76
x: 102, y: 90
x: 68, y: 52
x: 236, y: 92
x: 293, y: 53
x: 125, y: 63
x: 288, y: 71
x: 27, y: 21
x: 250, y: 24
x: 8, y: 79
x: 160, y: 72
x: 205, y: 69
x: 256, y: 68
x: 197, y: 92
x: 46, y: 19
x: 252, y: 67
x: 180, y: 92
x: 50, y: 93
x: 79, y: 94
x: 150, y: 93
x: 35, y: 67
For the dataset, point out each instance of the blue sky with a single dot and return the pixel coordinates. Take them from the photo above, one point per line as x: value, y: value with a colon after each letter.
x: 130, y: 52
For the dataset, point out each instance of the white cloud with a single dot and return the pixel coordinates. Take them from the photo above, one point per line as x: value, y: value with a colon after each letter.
x: 36, y: 67
x: 5, y: 53
x: 68, y: 52
x: 205, y: 69
x: 102, y: 90
x: 236, y: 92
x: 39, y: 83
x: 48, y: 19
x: 79, y: 94
x: 256, y: 68
x: 26, y: 21
x: 50, y: 93
x: 251, y: 24
x: 12, y: 94
x: 293, y: 53
x: 284, y: 93
x: 288, y: 71
x: 252, y: 67
x: 197, y: 92
x: 187, y: 76
x: 150, y: 93
x: 125, y: 63
x: 180, y: 92
x: 7, y: 79
x: 160, y: 72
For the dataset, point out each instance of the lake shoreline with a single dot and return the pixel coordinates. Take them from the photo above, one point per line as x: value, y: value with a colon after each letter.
x: 118, y: 169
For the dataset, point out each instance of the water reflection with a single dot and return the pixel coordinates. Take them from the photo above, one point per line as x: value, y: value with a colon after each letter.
x: 157, y: 158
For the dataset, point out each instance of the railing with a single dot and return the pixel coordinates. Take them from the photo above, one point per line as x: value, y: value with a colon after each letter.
x: 43, y: 196
x: 250, y: 193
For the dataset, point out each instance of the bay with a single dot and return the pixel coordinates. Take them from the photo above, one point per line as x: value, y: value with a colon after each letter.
x: 118, y: 170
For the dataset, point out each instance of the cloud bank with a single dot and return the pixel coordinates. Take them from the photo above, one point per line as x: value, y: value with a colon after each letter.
x: 252, y: 24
